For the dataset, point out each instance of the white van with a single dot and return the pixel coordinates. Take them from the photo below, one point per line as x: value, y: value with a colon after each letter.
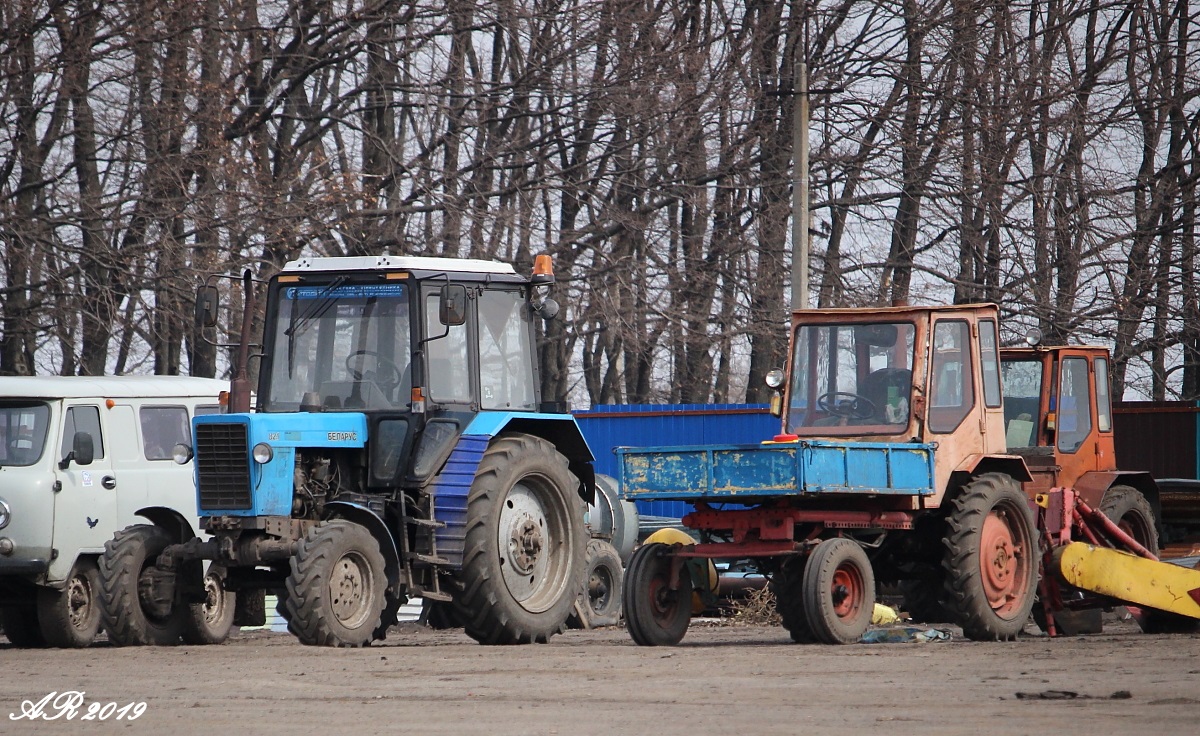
x: 80, y: 459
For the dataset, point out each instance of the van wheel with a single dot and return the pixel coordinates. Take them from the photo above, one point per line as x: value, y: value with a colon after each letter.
x: 70, y: 618
x: 129, y: 611
x: 20, y: 624
x: 211, y: 621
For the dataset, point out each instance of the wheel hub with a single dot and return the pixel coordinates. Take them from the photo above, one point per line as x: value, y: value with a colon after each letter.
x: 1000, y: 560
x: 79, y: 601
x: 347, y: 588
x: 526, y: 546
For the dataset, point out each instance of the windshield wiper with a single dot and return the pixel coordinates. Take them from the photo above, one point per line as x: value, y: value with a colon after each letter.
x: 297, y: 323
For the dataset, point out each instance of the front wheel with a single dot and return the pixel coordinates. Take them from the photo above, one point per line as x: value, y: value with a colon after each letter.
x: 133, y: 606
x: 991, y: 561
x: 523, y: 550
x: 70, y: 618
x: 211, y: 621
x: 655, y: 613
x: 335, y: 592
x: 838, y: 591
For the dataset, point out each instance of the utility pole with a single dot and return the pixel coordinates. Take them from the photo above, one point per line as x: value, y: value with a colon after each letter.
x: 800, y: 199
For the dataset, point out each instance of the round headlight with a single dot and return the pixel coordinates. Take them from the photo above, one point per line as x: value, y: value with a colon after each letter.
x: 263, y: 453
x: 5, y: 514
x: 1033, y: 336
x: 181, y: 453
x: 775, y: 378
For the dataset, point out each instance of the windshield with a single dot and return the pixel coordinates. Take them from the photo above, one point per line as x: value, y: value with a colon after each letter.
x: 23, y: 428
x: 340, y: 347
x: 851, y: 379
x: 1022, y: 387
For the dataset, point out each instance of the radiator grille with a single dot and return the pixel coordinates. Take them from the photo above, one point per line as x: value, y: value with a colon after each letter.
x: 223, y: 464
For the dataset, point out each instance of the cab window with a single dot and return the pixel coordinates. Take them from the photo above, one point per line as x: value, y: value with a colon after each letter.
x: 448, y: 374
x: 952, y: 394
x: 1074, y: 418
x: 505, y: 352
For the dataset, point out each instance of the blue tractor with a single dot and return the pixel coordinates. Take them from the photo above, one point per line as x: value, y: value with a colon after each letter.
x: 398, y: 447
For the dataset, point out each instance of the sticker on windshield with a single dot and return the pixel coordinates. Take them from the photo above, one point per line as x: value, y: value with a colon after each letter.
x: 349, y: 291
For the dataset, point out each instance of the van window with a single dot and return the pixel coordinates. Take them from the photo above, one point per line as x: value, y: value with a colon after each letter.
x: 163, y: 427
x: 23, y: 432
x: 206, y: 409
x: 82, y: 419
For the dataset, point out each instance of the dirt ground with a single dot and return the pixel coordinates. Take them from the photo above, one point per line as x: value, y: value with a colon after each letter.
x: 720, y: 680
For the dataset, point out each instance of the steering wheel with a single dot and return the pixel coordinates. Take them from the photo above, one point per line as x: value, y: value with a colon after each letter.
x: 858, y: 406
x: 389, y: 369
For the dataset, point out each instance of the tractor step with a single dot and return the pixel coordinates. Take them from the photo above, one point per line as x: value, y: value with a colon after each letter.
x: 433, y: 595
x: 425, y: 523
x: 428, y: 559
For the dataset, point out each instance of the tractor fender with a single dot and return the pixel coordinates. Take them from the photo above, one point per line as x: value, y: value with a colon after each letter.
x: 1092, y: 485
x: 979, y: 463
x: 561, y: 430
x: 170, y: 520
x: 367, y: 518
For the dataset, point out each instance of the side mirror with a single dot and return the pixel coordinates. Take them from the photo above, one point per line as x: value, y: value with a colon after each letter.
x: 208, y: 302
x: 452, y: 305
x: 83, y: 451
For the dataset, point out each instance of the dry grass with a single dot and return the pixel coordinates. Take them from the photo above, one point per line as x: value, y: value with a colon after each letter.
x: 756, y: 609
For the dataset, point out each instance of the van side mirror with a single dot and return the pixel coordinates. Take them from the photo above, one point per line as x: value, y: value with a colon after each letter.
x: 208, y: 302
x: 83, y: 451
x: 452, y: 305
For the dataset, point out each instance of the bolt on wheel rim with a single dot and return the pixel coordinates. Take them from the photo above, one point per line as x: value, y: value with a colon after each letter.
x: 79, y: 601
x: 529, y: 538
x: 350, y: 588
x: 1002, y: 563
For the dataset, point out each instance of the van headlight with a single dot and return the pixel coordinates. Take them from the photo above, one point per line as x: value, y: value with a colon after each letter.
x: 262, y: 453
x: 5, y: 513
x: 181, y: 453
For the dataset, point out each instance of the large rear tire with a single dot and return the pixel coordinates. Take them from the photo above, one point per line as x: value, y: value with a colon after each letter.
x: 1130, y: 510
x: 991, y: 561
x: 128, y: 610
x: 656, y: 615
x: 211, y: 621
x: 838, y: 591
x: 523, y: 554
x: 335, y: 592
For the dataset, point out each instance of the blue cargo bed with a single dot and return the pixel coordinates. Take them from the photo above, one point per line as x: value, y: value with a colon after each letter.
x: 750, y: 473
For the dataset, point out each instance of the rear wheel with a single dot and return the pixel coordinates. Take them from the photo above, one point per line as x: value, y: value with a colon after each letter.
x: 335, y: 592
x: 20, y: 624
x: 524, y: 549
x: 991, y: 561
x: 787, y: 586
x: 922, y: 599
x: 70, y: 618
x: 838, y: 591
x: 656, y: 615
x: 211, y: 621
x: 132, y: 606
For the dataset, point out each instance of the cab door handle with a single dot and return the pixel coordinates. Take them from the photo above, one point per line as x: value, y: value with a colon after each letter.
x: 109, y: 482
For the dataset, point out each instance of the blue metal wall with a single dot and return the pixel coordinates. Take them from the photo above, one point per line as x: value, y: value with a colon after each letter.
x: 654, y: 425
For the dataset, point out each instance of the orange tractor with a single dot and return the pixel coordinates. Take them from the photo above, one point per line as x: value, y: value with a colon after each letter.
x: 893, y: 463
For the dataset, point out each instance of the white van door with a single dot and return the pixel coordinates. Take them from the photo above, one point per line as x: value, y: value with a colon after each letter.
x: 86, y: 501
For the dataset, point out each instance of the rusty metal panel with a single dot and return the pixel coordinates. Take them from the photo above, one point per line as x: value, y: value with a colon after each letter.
x: 1157, y: 436
x: 751, y: 472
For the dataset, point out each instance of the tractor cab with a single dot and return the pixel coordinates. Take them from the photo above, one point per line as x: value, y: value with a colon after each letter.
x: 898, y: 374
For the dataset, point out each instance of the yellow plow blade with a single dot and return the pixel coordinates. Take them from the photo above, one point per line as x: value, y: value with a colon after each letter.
x: 1130, y: 578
